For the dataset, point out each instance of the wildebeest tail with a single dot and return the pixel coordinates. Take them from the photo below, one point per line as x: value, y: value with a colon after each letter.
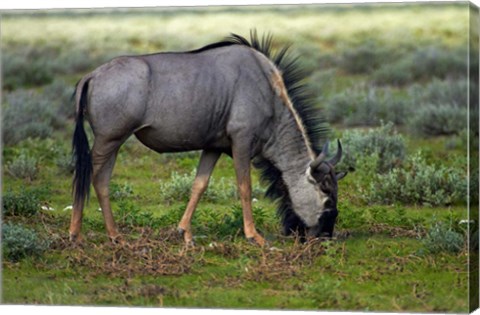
x: 80, y: 147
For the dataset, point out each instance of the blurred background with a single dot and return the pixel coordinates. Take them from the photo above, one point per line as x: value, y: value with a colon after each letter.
x: 392, y: 81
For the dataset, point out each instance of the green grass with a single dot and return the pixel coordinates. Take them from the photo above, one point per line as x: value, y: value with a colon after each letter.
x: 342, y: 278
x: 378, y: 262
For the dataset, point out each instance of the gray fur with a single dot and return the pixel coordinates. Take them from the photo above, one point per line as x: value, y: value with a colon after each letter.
x: 216, y: 100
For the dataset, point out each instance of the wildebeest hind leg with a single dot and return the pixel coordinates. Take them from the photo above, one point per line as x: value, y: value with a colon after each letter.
x: 207, y: 162
x: 104, y: 154
x: 241, y: 159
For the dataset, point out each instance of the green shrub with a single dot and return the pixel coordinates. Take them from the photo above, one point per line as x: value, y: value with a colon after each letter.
x: 120, y: 192
x: 24, y: 167
x: 435, y: 120
x: 27, y: 115
x: 19, y: 242
x: 422, y: 64
x: 59, y: 94
x: 438, y: 62
x: 25, y: 68
x: 441, y: 238
x: 364, y: 57
x: 452, y: 92
x: 419, y: 183
x: 369, y: 107
x: 385, y: 145
x: 130, y: 215
x: 229, y: 223
x: 64, y: 162
x: 397, y: 74
x: 26, y: 202
x: 179, y: 188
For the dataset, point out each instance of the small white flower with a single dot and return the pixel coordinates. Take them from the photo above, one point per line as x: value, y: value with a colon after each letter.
x: 254, y: 200
x: 466, y: 222
x: 47, y: 208
x: 68, y: 208
x: 99, y: 209
x: 275, y: 249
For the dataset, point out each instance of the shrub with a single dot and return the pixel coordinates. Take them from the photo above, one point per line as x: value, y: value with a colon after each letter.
x: 423, y: 64
x: 438, y: 62
x: 59, y: 94
x: 24, y: 167
x: 19, y: 242
x: 366, y: 108
x: 364, y: 57
x: 434, y: 120
x: 26, y: 202
x: 120, y: 192
x: 64, y: 162
x: 27, y: 115
x: 452, y: 92
x: 230, y: 223
x: 397, y: 74
x: 419, y: 183
x: 384, y: 143
x: 179, y: 188
x: 130, y: 215
x: 25, y: 68
x: 441, y: 238
x: 23, y: 204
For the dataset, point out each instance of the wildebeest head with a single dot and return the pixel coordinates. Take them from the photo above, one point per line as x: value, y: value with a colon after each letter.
x: 321, y: 172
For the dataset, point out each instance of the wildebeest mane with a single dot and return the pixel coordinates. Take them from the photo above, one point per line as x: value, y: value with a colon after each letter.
x: 294, y: 77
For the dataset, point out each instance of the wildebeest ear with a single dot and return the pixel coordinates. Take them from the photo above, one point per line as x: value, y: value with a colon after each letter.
x: 340, y: 175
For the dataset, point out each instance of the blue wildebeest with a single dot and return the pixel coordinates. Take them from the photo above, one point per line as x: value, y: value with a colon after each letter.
x: 233, y: 97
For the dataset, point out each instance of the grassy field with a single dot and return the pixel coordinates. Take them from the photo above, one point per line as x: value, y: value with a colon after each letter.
x: 400, y: 244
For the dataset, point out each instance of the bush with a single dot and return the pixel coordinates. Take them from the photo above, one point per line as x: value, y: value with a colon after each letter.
x: 441, y: 238
x: 435, y: 120
x: 364, y: 58
x: 384, y: 143
x: 452, y: 92
x: 24, y: 167
x: 19, y: 242
x: 23, y: 203
x: 419, y: 183
x: 397, y: 74
x: 120, y: 192
x: 423, y: 64
x: 64, y: 162
x: 227, y: 223
x: 179, y: 188
x: 366, y: 108
x: 27, y: 115
x: 59, y: 94
x: 25, y: 68
x: 130, y: 215
x: 438, y: 62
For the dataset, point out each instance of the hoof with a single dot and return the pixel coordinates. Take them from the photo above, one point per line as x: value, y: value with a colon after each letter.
x: 76, y: 238
x: 117, y: 240
x: 260, y: 241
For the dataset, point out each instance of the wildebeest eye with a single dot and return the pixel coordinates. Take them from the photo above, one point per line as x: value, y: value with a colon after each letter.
x: 327, y: 185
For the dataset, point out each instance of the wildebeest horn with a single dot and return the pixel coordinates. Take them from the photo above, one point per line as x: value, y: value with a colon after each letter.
x: 337, y: 156
x: 320, y: 157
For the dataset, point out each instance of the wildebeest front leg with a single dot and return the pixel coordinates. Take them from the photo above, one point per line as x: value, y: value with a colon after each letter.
x: 241, y: 159
x: 207, y: 162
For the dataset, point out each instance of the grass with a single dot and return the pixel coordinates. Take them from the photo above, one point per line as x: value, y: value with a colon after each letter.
x: 378, y: 261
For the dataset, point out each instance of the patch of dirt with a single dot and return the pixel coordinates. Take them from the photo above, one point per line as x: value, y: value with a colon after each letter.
x: 276, y: 263
x: 149, y: 253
